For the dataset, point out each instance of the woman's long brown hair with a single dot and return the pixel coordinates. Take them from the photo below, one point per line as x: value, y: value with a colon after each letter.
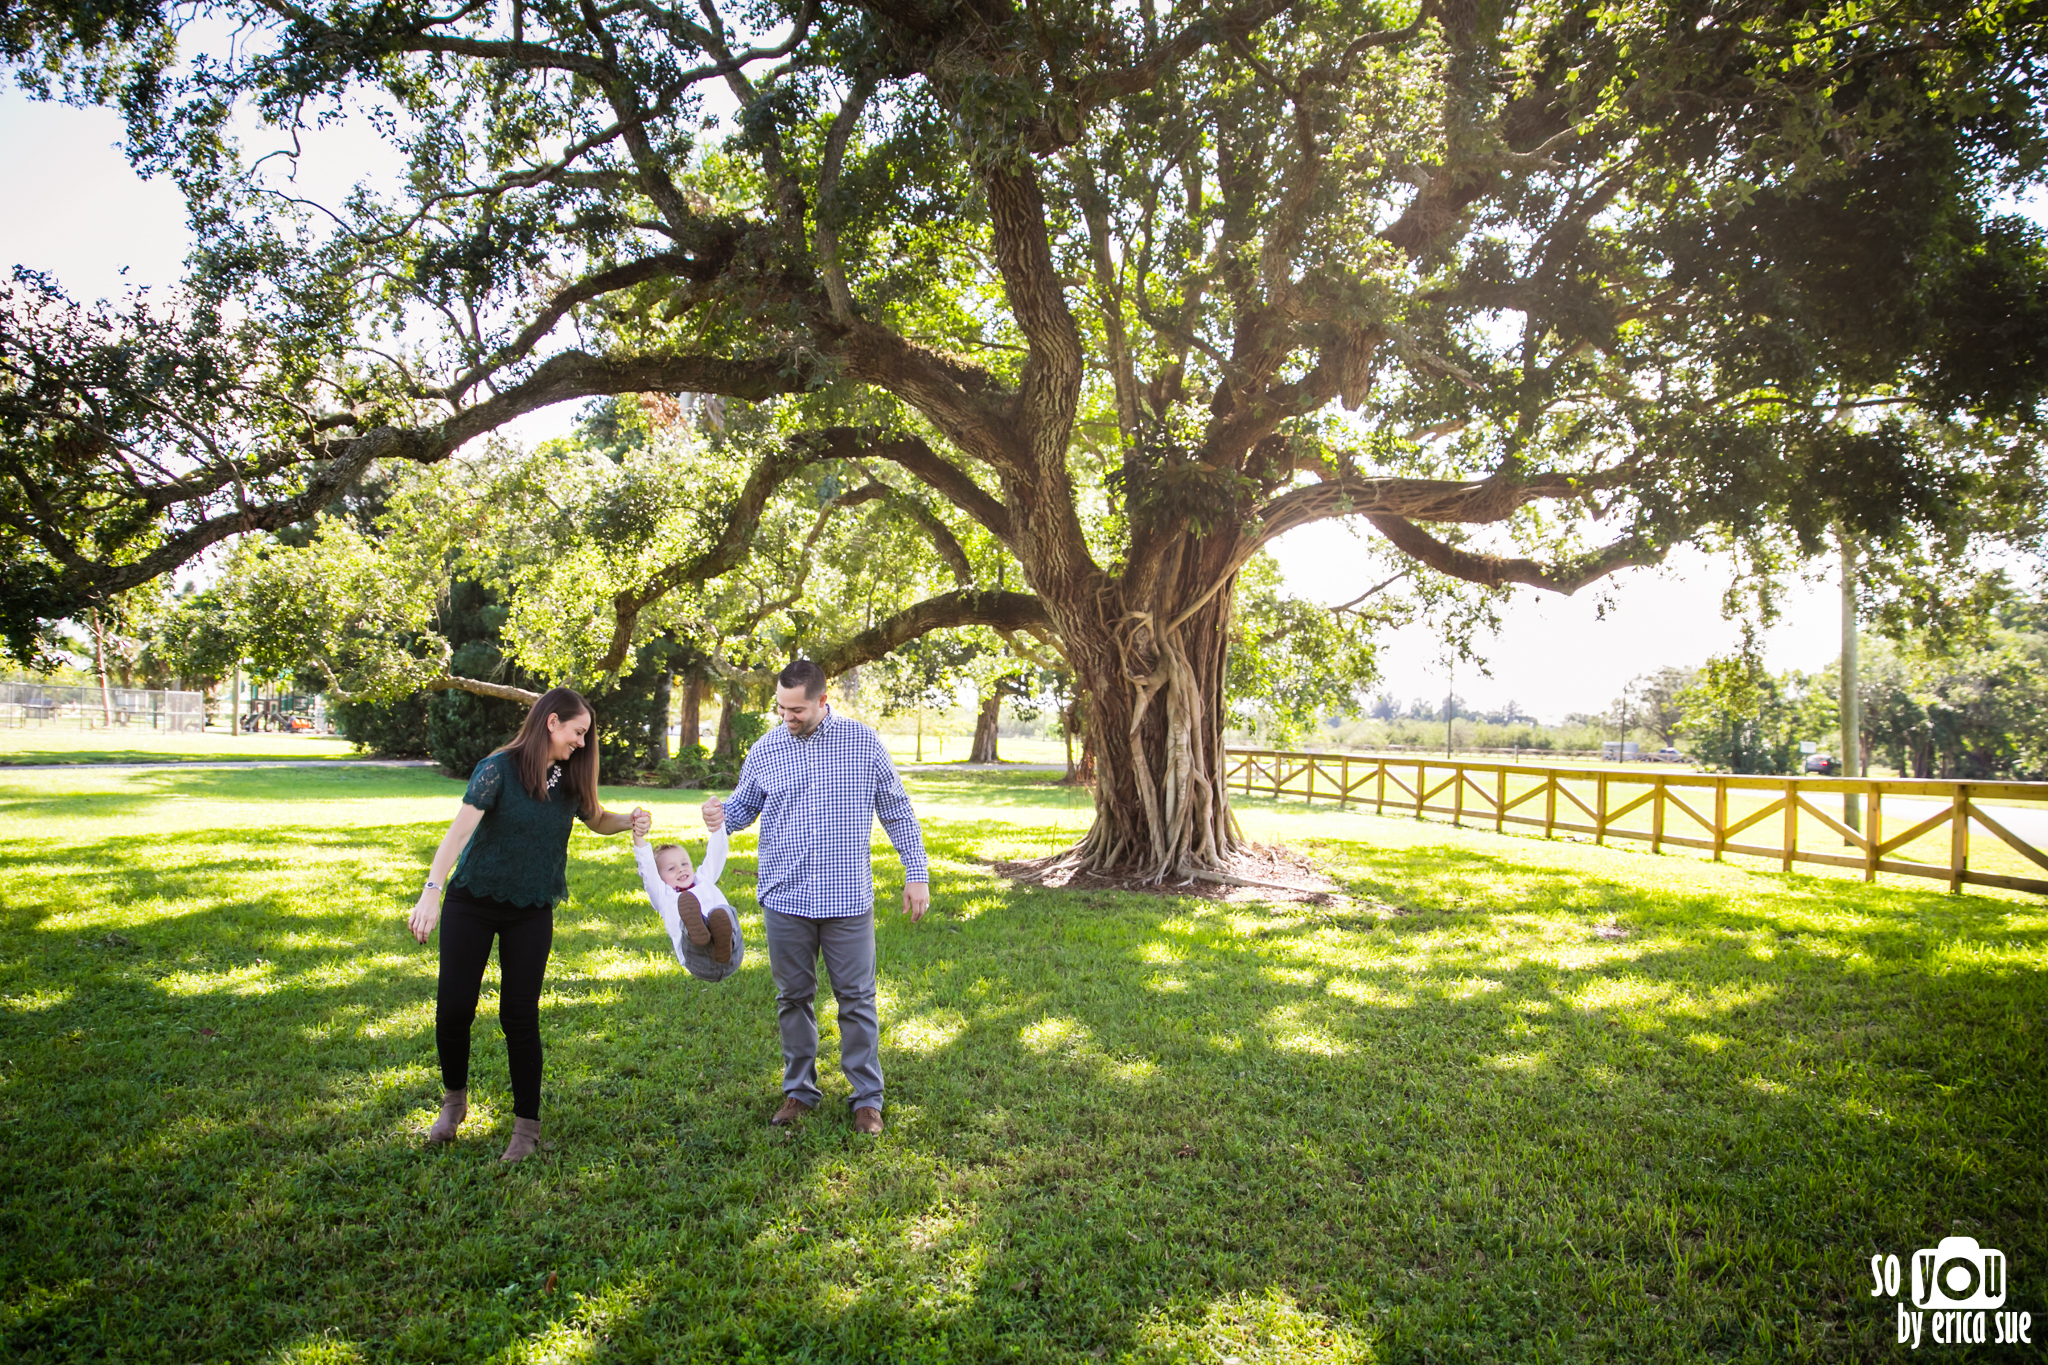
x: 531, y: 745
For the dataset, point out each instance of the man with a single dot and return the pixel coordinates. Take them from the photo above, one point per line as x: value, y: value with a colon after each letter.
x: 819, y: 782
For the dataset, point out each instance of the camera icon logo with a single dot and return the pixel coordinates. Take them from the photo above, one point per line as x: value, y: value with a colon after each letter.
x: 1957, y: 1273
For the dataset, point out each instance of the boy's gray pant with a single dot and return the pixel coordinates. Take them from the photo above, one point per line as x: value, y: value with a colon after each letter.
x: 848, y: 946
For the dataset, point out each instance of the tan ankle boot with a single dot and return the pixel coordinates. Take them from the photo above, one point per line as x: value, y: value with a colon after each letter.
x: 454, y: 1108
x: 525, y: 1137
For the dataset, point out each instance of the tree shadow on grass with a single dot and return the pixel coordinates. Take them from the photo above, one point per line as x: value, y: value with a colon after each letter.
x: 1119, y: 1123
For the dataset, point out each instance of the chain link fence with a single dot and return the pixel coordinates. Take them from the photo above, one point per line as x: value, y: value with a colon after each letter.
x: 28, y: 705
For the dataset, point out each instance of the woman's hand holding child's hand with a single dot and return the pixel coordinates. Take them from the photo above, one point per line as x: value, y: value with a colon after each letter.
x: 643, y: 821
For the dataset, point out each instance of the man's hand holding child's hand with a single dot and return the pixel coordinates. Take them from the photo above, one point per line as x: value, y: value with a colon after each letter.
x: 714, y: 814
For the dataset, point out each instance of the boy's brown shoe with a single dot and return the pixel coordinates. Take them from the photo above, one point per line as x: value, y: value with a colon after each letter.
x: 792, y: 1109
x: 693, y: 919
x: 721, y: 935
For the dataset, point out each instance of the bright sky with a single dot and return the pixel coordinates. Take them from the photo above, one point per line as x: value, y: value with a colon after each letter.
x: 83, y: 216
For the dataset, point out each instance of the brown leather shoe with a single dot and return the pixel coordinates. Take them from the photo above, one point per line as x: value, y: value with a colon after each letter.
x: 792, y: 1109
x: 867, y: 1119
x: 691, y: 912
x: 720, y: 929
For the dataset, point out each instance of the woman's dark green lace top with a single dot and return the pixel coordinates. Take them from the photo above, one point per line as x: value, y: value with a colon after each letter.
x: 520, y: 851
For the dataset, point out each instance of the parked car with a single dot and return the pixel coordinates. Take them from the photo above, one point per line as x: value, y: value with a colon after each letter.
x: 1823, y: 764
x: 1667, y: 755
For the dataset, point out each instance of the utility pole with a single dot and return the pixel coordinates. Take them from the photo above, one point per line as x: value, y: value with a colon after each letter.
x: 1852, y: 692
x: 99, y: 665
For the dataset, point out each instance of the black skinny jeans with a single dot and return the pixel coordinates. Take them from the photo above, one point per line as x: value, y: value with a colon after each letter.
x: 526, y: 935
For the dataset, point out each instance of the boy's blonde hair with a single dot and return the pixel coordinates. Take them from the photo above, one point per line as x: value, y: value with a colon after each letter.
x: 660, y: 849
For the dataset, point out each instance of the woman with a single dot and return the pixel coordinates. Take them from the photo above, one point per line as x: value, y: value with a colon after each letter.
x: 512, y: 835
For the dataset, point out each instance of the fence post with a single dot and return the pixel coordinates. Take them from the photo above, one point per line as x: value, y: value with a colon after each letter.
x: 1500, y: 802
x: 1421, y: 787
x: 1308, y: 786
x: 1550, y: 803
x: 1959, y: 839
x: 1379, y: 805
x: 1657, y: 815
x: 1344, y: 780
x: 1791, y: 819
x: 1720, y: 817
x: 1600, y: 811
x: 1457, y: 795
x: 1873, y: 830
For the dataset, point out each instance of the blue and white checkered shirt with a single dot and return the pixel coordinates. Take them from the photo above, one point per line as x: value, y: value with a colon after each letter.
x: 818, y: 798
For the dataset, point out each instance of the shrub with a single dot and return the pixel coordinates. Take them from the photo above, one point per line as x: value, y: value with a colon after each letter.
x: 391, y: 729
x: 464, y: 728
x: 696, y: 769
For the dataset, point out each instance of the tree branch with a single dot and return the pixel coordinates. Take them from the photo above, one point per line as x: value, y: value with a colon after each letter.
x: 479, y: 688
x: 1495, y: 571
x: 1207, y: 29
x: 1002, y: 611
x: 724, y: 554
x: 1448, y: 500
x: 826, y: 236
x: 951, y: 482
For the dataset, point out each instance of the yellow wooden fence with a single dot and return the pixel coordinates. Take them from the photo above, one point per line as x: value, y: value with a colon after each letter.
x: 1686, y: 810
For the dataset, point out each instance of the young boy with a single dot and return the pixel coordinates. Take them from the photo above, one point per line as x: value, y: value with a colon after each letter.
x: 700, y: 921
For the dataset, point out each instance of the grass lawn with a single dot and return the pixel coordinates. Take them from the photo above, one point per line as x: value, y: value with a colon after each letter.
x: 1449, y: 1121
x: 139, y: 744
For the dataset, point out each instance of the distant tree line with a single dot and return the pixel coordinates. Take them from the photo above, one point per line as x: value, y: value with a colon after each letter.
x: 1974, y: 707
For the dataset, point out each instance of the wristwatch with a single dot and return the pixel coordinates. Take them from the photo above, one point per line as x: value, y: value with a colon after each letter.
x: 433, y: 886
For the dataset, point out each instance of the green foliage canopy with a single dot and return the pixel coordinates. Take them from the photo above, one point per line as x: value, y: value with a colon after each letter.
x: 1537, y: 291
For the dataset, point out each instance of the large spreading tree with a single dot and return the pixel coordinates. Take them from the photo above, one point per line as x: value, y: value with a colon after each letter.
x: 1536, y: 291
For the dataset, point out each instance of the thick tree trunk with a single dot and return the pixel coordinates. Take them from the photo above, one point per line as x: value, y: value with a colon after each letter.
x: 657, y: 748
x: 727, y: 744
x: 1155, y: 722
x: 693, y: 714
x: 984, y: 747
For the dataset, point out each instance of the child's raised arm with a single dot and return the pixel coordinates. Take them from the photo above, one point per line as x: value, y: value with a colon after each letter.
x: 659, y: 895
x: 714, y: 857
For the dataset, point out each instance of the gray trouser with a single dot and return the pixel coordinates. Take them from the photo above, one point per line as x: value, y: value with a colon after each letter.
x: 848, y: 947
